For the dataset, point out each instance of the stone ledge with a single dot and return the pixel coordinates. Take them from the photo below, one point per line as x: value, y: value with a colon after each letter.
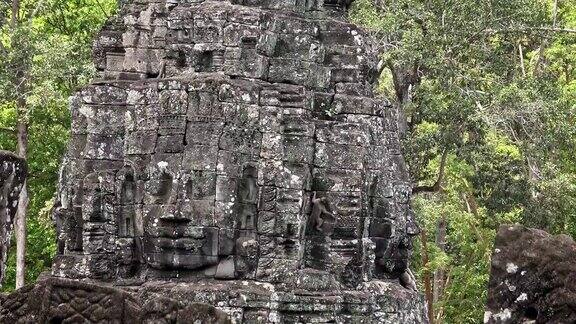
x: 63, y: 300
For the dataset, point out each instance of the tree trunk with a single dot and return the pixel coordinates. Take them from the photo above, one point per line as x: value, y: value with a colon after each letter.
x: 541, y: 59
x: 426, y: 275
x: 521, y: 55
x: 22, y: 151
x: 23, y: 201
x: 15, y: 13
x: 21, y: 237
x: 440, y: 274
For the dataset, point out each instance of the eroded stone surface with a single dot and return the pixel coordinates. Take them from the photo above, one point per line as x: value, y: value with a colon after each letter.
x: 66, y: 301
x: 533, y: 278
x: 241, y: 141
x: 13, y: 173
x: 215, y: 126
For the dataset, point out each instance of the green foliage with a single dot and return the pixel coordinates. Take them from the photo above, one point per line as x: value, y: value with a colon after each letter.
x: 51, y: 46
x: 470, y: 234
x: 492, y: 86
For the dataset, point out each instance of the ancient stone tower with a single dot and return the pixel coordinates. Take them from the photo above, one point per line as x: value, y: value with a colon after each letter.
x: 234, y: 152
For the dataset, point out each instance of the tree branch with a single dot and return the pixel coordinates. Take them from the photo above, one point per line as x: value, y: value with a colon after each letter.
x: 530, y: 29
x: 437, y: 186
x: 102, y: 9
x: 472, y: 207
x: 8, y: 130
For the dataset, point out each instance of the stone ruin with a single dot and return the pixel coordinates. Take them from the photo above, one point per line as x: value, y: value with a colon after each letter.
x: 13, y: 173
x: 532, y: 278
x: 233, y: 153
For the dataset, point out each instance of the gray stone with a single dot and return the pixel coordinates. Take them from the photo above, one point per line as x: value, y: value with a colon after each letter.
x: 68, y: 301
x: 532, y: 278
x: 239, y: 140
x: 13, y: 172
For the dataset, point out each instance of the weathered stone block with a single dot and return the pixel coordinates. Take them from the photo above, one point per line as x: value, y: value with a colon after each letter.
x: 531, y: 277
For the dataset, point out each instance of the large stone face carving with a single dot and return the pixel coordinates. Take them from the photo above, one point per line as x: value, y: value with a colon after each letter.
x: 218, y: 130
x: 235, y: 140
x: 13, y: 173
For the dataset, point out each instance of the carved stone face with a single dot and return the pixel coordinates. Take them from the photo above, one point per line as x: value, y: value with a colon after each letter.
x: 218, y: 126
x: 179, y: 208
x: 201, y: 191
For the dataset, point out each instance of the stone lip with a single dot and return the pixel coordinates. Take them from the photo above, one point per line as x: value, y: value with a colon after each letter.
x: 13, y: 172
x: 7, y: 156
x: 533, y: 277
x: 281, y: 5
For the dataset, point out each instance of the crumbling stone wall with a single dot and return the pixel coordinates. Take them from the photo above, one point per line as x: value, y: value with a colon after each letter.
x: 533, y: 278
x: 13, y: 173
x: 239, y: 140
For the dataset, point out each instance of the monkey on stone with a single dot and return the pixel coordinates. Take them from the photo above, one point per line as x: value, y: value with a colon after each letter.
x: 407, y: 280
x: 322, y: 215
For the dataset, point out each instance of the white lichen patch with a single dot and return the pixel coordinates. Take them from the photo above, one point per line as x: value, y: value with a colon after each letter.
x: 86, y: 111
x: 162, y: 165
x: 295, y: 180
x: 511, y: 267
x: 521, y: 298
x: 134, y: 97
x: 265, y: 285
x: 129, y: 121
x: 503, y: 316
x: 487, y: 316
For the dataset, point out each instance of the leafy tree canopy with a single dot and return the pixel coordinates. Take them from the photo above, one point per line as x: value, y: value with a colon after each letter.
x: 51, y: 47
x: 486, y: 96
